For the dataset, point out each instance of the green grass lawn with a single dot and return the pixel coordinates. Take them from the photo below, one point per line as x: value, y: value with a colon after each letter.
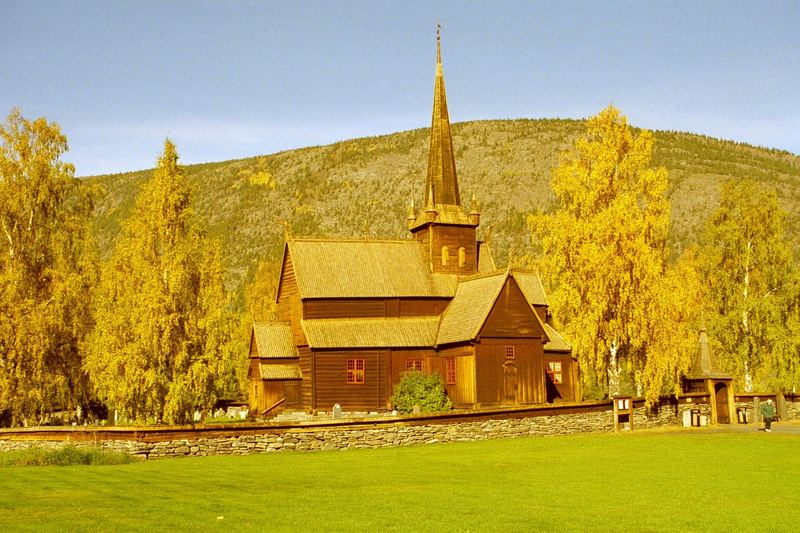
x: 643, y: 481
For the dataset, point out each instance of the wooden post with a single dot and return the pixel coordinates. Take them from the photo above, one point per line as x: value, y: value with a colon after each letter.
x: 623, y: 412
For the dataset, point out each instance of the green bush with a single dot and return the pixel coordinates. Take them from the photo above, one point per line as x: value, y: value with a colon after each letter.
x: 415, y: 388
x: 66, y: 456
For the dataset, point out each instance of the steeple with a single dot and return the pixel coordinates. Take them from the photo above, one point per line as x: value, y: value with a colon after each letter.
x: 442, y: 198
x: 447, y: 232
x: 442, y: 183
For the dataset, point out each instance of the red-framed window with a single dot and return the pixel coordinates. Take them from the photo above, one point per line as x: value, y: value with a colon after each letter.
x: 554, y: 371
x: 450, y: 371
x: 510, y: 353
x: 413, y: 365
x: 355, y: 371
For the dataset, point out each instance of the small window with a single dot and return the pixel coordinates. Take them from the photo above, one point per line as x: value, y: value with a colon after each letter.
x: 413, y: 365
x: 355, y: 371
x: 554, y: 371
x: 462, y: 256
x: 450, y: 371
x: 445, y: 256
x: 510, y: 353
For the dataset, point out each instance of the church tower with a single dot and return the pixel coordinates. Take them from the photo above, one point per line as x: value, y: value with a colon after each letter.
x: 448, y: 233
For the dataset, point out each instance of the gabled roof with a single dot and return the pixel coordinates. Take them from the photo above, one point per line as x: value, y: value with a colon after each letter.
x: 274, y: 340
x: 280, y: 371
x: 556, y: 342
x: 349, y: 268
x: 531, y: 286
x: 705, y: 364
x: 371, y: 332
x: 475, y: 296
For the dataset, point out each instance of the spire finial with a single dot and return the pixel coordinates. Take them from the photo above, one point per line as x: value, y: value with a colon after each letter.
x: 438, y: 42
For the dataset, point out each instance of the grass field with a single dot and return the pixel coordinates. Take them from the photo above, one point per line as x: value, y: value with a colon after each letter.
x: 644, y: 481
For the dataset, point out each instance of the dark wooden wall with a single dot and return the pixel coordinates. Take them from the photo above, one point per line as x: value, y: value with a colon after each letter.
x: 331, y: 387
x: 511, y: 316
x: 289, y: 305
x: 373, y: 307
x: 565, y: 389
x: 434, y: 237
x: 307, y: 385
x: 496, y: 373
x: 454, y: 237
x: 463, y: 392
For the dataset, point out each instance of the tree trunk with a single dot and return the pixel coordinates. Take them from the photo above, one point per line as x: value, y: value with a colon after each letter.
x: 613, y: 370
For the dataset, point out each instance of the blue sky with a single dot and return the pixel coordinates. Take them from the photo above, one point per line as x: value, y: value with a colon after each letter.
x: 226, y: 80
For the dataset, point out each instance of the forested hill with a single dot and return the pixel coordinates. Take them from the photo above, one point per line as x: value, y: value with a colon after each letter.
x: 344, y: 188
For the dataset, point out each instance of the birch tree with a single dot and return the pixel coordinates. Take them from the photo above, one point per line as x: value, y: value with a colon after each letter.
x: 604, y: 258
x: 47, y: 270
x: 746, y: 266
x: 162, y: 346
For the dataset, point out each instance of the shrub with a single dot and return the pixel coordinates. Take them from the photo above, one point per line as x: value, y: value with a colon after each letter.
x: 415, y: 388
x: 65, y: 456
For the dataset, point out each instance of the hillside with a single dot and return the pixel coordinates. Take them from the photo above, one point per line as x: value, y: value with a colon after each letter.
x: 341, y: 188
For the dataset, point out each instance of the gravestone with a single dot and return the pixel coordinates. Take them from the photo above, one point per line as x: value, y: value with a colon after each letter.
x: 783, y: 410
x: 757, y: 411
x: 337, y: 411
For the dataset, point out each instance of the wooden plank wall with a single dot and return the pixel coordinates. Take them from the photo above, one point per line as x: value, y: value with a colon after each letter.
x: 331, y: 387
x: 454, y: 237
x: 373, y: 307
x: 566, y: 389
x: 307, y: 384
x: 492, y: 371
x: 511, y: 316
x: 463, y: 392
x: 290, y: 307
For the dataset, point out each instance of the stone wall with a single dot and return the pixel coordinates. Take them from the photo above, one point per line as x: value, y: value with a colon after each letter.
x: 368, y: 436
x: 383, y: 434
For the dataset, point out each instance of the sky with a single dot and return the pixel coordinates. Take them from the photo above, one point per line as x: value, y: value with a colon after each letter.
x: 233, y: 79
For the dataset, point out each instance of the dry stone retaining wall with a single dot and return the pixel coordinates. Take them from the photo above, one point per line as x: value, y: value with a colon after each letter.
x: 366, y: 436
x: 383, y: 434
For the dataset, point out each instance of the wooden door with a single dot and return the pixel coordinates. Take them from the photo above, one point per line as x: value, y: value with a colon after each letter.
x: 721, y: 399
x: 510, y: 382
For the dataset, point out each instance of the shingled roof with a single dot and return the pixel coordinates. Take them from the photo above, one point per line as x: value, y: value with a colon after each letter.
x: 365, y: 269
x: 531, y: 286
x: 705, y: 364
x: 274, y: 340
x: 280, y: 371
x: 463, y: 318
x: 371, y: 332
x: 474, y: 299
x: 556, y: 342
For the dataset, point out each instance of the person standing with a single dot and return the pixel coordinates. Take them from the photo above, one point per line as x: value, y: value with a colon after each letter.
x: 768, y: 413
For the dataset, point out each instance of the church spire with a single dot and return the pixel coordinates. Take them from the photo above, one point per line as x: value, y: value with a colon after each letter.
x: 442, y: 182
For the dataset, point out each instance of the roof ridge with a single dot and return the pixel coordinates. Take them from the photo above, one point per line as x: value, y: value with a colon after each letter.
x: 354, y: 239
x: 480, y: 275
x: 371, y: 318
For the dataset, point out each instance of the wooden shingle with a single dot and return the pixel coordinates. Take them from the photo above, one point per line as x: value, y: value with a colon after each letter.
x: 469, y: 308
x: 556, y: 342
x: 371, y: 332
x: 280, y: 371
x: 531, y: 286
x: 342, y: 268
x: 274, y: 340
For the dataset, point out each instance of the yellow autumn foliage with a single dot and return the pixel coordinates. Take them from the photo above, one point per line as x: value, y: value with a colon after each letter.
x: 603, y: 257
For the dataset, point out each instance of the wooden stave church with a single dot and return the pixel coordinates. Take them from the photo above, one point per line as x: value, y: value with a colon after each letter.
x: 355, y: 314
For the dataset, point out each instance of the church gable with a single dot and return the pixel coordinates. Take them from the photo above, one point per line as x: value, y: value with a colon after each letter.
x: 512, y: 315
